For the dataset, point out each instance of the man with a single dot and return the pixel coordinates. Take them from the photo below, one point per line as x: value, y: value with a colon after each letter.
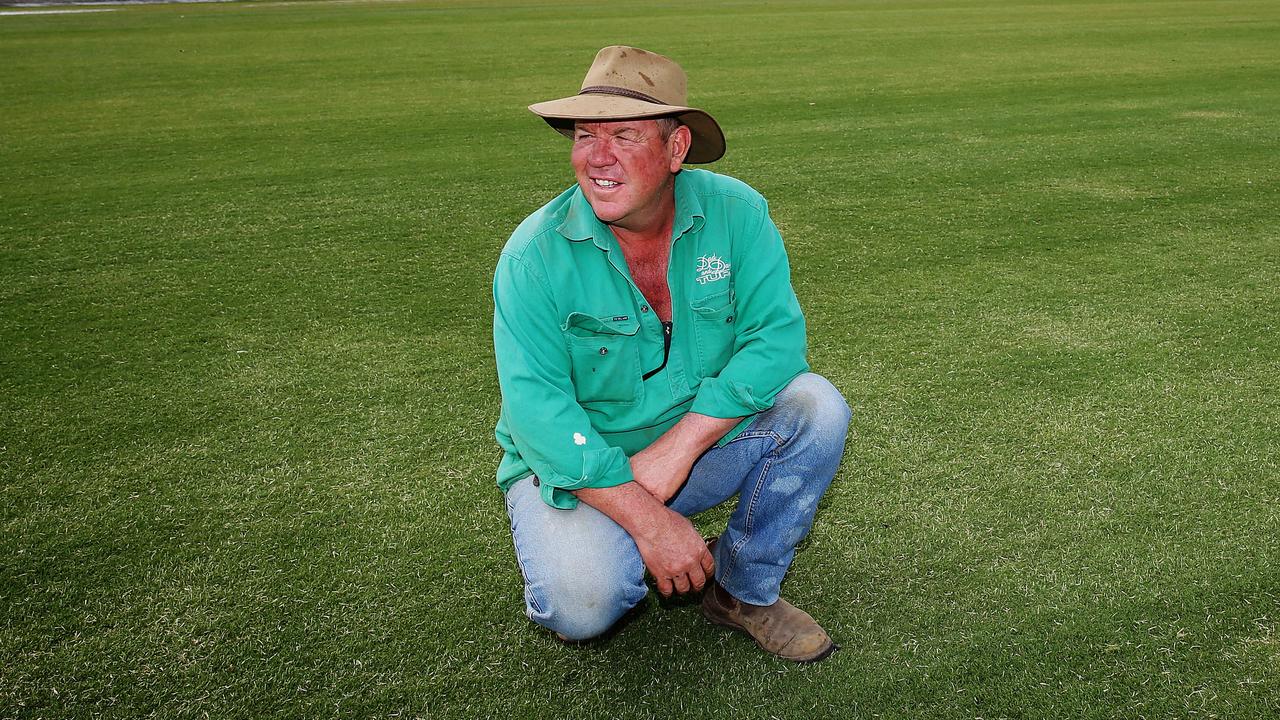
x: 651, y: 355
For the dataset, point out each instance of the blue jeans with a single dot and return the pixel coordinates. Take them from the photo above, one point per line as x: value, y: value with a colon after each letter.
x: 582, y: 571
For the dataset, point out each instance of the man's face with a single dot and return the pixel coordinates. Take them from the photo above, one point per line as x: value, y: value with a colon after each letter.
x: 625, y: 169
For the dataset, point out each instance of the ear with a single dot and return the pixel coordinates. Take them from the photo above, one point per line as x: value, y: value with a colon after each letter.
x: 679, y: 142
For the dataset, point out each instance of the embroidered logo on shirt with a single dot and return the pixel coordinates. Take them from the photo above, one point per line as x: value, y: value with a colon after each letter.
x: 711, y: 268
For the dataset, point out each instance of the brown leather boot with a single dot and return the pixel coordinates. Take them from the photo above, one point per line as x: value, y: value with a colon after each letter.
x: 781, y: 628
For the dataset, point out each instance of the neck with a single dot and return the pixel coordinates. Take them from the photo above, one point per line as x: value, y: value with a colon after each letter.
x: 644, y: 241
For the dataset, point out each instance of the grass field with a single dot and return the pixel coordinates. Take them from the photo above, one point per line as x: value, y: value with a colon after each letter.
x: 248, y: 392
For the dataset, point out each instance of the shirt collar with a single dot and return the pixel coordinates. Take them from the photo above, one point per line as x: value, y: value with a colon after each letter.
x: 581, y: 224
x: 689, y: 214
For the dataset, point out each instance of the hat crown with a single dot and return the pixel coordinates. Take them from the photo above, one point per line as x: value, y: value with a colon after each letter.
x: 627, y: 83
x: 637, y: 71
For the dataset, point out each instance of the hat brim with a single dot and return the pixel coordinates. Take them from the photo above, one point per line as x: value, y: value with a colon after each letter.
x: 708, y: 140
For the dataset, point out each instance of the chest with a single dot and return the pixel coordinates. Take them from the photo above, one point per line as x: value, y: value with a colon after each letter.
x: 649, y: 272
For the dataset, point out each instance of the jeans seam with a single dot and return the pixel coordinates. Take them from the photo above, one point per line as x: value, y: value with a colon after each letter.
x: 755, y: 435
x: 755, y: 496
x: 533, y: 600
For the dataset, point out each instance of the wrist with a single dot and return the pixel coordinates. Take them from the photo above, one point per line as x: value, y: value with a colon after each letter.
x: 631, y: 506
x: 655, y: 525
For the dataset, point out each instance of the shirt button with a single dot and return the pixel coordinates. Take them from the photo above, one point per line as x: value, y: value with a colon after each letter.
x: 644, y: 308
x: 535, y: 481
x: 604, y: 351
x: 729, y: 319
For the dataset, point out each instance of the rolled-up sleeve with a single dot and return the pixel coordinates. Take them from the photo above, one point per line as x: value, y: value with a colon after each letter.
x: 769, y: 345
x: 548, y: 427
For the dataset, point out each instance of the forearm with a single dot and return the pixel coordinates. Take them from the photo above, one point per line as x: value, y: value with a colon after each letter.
x: 629, y: 505
x: 662, y: 468
x: 692, y: 436
x: 638, y: 512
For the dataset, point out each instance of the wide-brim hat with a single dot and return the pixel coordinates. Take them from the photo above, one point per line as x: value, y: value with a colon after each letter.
x: 626, y: 83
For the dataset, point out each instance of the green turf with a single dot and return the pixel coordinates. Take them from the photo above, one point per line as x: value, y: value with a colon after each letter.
x: 247, y: 391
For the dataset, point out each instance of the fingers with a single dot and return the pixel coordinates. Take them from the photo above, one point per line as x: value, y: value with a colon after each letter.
x: 666, y: 586
x: 682, y: 584
x: 680, y: 564
x: 699, y: 580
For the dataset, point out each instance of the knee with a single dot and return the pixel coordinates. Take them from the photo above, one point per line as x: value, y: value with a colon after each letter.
x: 581, y: 611
x: 581, y: 571
x: 817, y: 404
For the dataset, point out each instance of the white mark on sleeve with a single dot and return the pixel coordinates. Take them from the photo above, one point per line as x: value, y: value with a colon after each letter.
x: 579, y: 439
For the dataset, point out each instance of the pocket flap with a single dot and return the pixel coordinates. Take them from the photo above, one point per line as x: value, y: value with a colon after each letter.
x: 714, y: 305
x: 584, y: 325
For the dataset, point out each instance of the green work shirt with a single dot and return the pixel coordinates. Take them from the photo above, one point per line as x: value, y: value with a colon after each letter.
x: 574, y: 338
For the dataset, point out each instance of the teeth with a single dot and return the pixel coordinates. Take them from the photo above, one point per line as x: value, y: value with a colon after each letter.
x: 605, y: 183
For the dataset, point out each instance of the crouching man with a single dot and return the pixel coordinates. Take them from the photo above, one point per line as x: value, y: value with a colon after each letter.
x: 651, y: 356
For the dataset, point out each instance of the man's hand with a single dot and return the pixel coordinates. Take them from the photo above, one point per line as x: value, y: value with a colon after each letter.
x: 678, y: 559
x: 663, y: 467
x: 671, y: 548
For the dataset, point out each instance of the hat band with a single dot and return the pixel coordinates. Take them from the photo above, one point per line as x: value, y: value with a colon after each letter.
x: 624, y: 92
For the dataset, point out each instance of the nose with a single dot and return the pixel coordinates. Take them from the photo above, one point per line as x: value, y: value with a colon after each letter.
x: 601, y: 152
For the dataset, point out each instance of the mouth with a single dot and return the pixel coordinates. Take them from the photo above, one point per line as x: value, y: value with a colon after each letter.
x: 605, y: 184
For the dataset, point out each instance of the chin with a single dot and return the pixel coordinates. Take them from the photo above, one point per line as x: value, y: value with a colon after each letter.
x: 607, y: 212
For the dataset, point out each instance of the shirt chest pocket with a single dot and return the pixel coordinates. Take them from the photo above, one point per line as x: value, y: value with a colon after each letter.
x: 605, y: 355
x: 713, y: 328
